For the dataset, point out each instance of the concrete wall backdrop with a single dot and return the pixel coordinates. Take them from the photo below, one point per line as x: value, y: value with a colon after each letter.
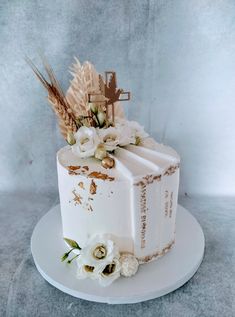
x: 177, y: 58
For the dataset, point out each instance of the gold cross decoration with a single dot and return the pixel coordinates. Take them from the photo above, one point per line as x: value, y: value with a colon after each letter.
x: 108, y: 88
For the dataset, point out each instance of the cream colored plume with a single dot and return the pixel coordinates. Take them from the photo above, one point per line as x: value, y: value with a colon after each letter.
x: 85, y: 80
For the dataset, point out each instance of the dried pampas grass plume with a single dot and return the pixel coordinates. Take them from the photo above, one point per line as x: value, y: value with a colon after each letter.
x: 85, y: 81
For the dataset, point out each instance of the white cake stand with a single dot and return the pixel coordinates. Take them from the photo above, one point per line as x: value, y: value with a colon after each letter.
x: 152, y: 280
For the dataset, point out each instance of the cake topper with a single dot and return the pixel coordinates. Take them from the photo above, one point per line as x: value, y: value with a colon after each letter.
x: 77, y: 108
x: 108, y: 88
x: 84, y: 115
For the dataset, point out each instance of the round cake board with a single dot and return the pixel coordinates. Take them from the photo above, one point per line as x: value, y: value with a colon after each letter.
x: 152, y: 280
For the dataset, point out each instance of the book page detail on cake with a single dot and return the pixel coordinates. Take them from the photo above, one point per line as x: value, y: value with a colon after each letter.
x: 118, y: 187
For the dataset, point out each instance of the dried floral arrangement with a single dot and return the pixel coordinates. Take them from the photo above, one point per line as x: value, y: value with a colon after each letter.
x: 90, y: 116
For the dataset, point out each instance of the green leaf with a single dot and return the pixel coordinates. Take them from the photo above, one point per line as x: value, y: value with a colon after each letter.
x: 64, y: 257
x: 70, y: 261
x: 72, y: 243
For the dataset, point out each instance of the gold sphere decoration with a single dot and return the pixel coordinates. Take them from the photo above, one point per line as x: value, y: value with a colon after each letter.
x: 108, y: 162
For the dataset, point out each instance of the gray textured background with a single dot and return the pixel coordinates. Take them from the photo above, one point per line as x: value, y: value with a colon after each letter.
x: 177, y: 58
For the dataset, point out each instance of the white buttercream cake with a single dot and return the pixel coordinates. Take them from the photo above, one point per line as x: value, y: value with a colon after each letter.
x: 118, y: 188
x: 135, y: 201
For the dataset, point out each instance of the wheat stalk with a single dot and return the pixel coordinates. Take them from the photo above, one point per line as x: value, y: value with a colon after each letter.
x: 56, y: 98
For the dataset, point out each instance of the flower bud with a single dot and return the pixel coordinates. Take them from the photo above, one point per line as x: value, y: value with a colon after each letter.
x: 137, y: 140
x: 93, y: 107
x: 70, y: 138
x: 101, y: 118
x: 100, y: 152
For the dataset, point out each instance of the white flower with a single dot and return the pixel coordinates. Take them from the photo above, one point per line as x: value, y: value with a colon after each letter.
x: 109, y: 137
x: 129, y: 265
x: 99, y: 260
x: 149, y: 143
x: 138, y: 130
x: 84, y: 270
x: 86, y: 142
x: 126, y: 134
x: 98, y: 252
x: 110, y: 273
x: 131, y: 132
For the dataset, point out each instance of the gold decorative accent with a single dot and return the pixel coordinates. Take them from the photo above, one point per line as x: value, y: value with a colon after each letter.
x: 156, y: 254
x: 77, y: 170
x: 77, y: 198
x: 108, y: 162
x: 100, y: 175
x: 171, y: 170
x: 84, y: 170
x: 73, y: 168
x: 81, y: 184
x: 93, y: 187
x: 112, y: 94
x: 168, y: 204
x: 143, y: 215
x: 148, y: 179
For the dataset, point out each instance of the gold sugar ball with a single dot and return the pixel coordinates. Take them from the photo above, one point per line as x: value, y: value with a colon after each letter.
x: 108, y: 162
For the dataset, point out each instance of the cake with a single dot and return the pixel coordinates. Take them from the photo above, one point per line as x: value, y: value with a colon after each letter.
x: 118, y: 187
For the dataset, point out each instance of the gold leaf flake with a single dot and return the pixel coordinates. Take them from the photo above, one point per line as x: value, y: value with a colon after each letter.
x: 77, y: 198
x: 93, y: 187
x: 81, y: 184
x: 100, y: 175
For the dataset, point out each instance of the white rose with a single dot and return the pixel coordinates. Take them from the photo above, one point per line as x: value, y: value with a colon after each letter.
x: 126, y: 135
x: 149, y: 143
x: 138, y: 130
x: 87, y: 141
x: 98, y: 251
x: 99, y: 260
x: 109, y: 137
x: 129, y: 265
x: 110, y: 273
x: 131, y: 132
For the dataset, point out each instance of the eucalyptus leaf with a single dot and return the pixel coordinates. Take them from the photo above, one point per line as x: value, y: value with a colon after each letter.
x: 72, y: 243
